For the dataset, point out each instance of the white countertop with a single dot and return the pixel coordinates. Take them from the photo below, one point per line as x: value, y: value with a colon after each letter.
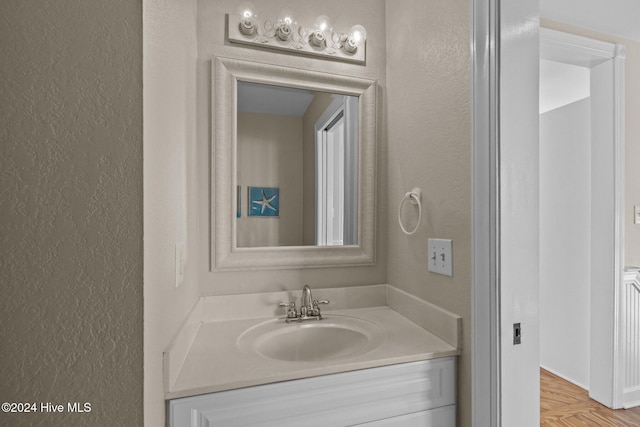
x: 213, y: 362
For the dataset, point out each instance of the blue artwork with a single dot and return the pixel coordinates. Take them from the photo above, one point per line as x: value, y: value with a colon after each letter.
x: 264, y: 201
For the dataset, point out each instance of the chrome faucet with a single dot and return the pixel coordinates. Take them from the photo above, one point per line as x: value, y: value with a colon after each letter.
x: 309, y: 309
x: 305, y: 301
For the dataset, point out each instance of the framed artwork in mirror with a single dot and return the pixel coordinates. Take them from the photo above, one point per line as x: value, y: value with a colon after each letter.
x: 264, y: 202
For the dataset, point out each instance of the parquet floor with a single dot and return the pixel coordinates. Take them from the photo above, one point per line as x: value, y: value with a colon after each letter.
x: 563, y: 404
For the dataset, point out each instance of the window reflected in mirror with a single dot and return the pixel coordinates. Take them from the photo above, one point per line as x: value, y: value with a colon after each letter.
x: 297, y: 167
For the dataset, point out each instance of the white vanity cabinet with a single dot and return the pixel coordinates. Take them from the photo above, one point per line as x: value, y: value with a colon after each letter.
x: 409, y: 394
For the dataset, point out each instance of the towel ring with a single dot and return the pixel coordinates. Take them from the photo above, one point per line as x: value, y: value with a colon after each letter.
x: 415, y: 197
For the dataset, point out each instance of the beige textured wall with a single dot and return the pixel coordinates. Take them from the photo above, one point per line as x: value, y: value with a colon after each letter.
x: 270, y: 155
x: 429, y: 128
x: 632, y: 132
x: 211, y: 41
x: 71, y: 211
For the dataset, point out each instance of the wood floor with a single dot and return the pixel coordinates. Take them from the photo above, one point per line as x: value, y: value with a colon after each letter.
x: 567, y: 405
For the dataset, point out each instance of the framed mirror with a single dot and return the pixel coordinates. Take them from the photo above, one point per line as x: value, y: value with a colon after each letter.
x: 293, y: 167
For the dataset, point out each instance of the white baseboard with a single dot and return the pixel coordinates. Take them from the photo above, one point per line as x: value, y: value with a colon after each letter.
x: 631, y: 397
x: 564, y: 377
x: 629, y: 405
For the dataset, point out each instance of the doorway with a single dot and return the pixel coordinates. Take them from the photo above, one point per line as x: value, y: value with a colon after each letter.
x: 581, y: 145
x: 565, y: 219
x: 336, y: 173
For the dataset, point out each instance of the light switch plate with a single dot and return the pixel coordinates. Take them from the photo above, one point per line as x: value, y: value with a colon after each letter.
x: 441, y: 256
x: 636, y: 214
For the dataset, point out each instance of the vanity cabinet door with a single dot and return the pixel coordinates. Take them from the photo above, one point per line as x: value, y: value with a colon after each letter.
x: 417, y: 393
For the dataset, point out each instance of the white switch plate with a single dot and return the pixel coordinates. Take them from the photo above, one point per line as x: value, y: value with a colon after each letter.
x: 636, y: 214
x: 179, y: 263
x: 441, y: 256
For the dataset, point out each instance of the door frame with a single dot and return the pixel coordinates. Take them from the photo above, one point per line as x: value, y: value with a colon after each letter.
x: 488, y: 333
x: 485, y: 36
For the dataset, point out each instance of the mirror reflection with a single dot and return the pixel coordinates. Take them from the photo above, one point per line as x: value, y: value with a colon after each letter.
x: 297, y: 167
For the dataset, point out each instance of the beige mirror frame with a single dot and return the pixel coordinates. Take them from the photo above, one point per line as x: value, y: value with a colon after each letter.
x: 225, y: 254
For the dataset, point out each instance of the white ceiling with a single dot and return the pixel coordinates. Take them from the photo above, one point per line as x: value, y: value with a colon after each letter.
x: 616, y: 17
x: 267, y: 99
x: 562, y: 84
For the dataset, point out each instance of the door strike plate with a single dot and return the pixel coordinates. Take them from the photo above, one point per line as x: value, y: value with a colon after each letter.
x: 517, y: 333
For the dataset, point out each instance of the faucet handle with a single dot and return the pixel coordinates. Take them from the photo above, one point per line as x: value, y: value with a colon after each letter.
x: 291, y: 309
x: 315, y: 310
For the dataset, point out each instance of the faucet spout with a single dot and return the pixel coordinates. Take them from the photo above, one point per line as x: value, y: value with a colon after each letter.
x: 306, y: 296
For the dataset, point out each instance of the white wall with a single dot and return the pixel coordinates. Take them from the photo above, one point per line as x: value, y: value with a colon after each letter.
x: 169, y: 53
x: 428, y: 113
x: 565, y: 228
x: 603, y: 274
x: 211, y: 41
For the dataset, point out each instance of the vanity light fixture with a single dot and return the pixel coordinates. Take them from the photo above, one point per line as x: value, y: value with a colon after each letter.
x: 283, y: 32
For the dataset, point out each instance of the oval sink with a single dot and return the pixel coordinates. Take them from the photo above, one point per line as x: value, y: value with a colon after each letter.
x: 333, y: 337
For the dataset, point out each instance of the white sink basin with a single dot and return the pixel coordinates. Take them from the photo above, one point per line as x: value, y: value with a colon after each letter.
x: 333, y: 337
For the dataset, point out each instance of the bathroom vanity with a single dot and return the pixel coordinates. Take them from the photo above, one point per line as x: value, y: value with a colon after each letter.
x: 378, y: 357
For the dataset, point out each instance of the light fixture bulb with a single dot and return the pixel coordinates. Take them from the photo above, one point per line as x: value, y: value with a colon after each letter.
x: 322, y: 23
x: 321, y: 26
x: 247, y: 13
x: 286, y: 17
x: 357, y: 36
x: 246, y: 10
x: 285, y: 22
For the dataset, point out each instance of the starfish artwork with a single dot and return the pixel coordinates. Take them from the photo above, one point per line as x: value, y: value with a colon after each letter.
x: 264, y: 201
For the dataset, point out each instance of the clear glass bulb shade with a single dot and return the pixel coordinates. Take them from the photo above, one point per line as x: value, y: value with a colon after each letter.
x: 322, y: 23
x: 359, y: 34
x: 286, y: 17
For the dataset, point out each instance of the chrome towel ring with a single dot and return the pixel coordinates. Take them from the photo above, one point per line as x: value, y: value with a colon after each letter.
x: 415, y: 196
